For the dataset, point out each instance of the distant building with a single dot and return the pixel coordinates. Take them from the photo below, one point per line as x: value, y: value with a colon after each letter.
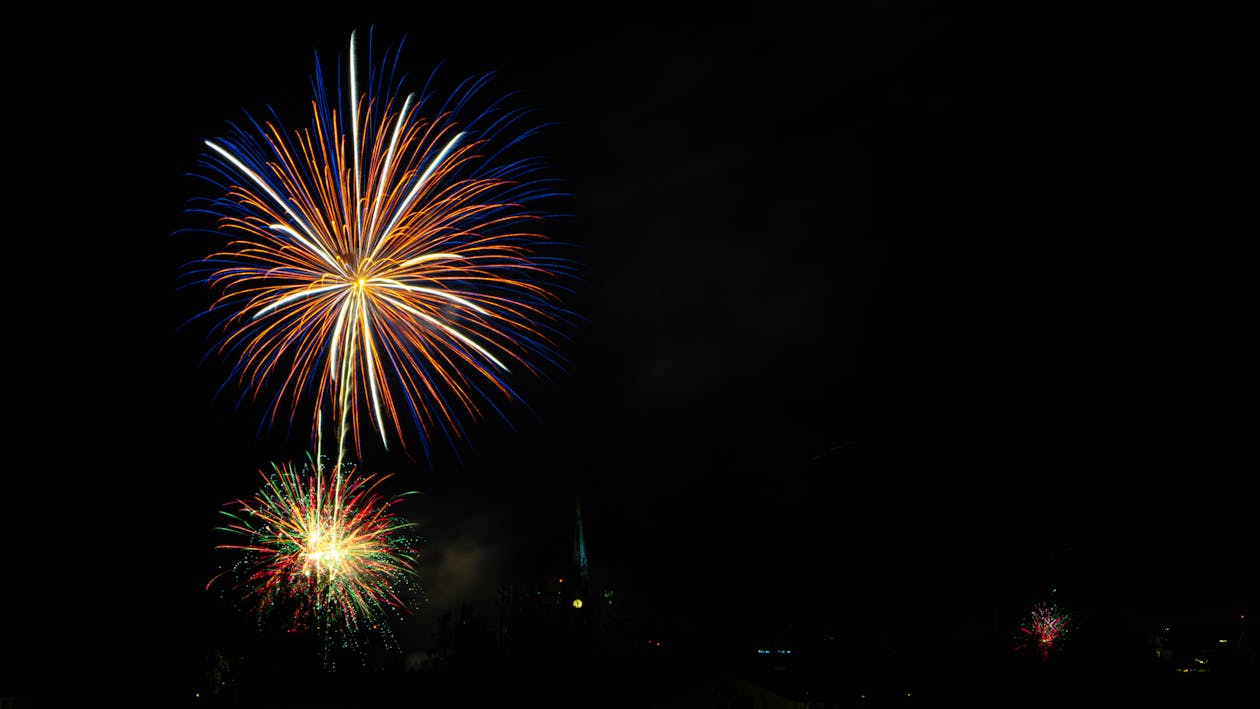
x: 570, y: 615
x: 1208, y: 645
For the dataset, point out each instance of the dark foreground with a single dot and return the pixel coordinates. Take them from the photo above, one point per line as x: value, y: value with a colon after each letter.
x: 1106, y: 662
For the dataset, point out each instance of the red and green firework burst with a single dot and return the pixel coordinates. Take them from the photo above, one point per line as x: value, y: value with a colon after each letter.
x: 323, y: 551
x: 1044, y: 627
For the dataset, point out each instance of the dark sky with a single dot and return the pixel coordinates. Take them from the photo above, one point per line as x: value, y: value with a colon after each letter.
x: 886, y: 308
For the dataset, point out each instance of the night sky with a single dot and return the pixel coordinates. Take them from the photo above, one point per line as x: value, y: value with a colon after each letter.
x: 889, y: 313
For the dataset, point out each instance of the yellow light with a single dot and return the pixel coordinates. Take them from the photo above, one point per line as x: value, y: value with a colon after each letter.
x: 577, y: 602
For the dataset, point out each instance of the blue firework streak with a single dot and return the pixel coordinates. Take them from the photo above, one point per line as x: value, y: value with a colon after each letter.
x: 386, y: 268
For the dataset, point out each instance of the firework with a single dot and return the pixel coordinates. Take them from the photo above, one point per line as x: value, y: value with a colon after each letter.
x: 323, y: 551
x: 385, y: 265
x: 1046, y: 625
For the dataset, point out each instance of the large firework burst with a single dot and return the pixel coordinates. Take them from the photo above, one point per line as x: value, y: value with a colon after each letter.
x: 323, y: 551
x: 386, y: 268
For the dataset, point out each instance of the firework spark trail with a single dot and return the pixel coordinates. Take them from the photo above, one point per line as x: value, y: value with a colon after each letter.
x: 324, y: 550
x: 395, y: 272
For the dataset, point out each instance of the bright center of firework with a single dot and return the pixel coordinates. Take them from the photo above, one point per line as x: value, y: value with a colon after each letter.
x: 325, y: 555
x: 328, y: 559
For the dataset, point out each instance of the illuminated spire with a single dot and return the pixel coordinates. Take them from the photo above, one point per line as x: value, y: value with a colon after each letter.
x: 579, y: 545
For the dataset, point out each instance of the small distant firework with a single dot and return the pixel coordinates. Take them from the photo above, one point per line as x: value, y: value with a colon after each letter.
x: 323, y: 552
x: 1044, y: 627
x: 386, y: 268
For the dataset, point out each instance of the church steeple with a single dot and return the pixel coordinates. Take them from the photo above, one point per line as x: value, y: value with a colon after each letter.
x: 579, y: 547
